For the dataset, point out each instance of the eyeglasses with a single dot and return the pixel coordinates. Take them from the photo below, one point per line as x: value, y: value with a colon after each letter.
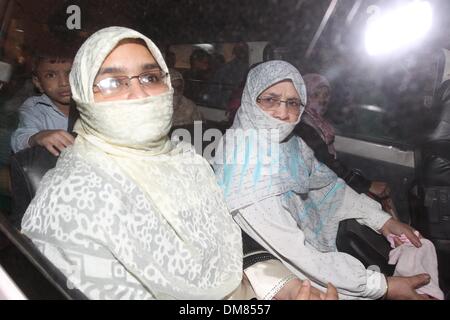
x: 153, y: 79
x: 272, y: 103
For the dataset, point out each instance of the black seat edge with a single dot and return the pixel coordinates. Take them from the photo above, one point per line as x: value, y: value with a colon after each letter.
x: 42, y: 264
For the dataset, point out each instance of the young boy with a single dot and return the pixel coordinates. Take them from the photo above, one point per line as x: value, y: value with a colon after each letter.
x: 43, y: 119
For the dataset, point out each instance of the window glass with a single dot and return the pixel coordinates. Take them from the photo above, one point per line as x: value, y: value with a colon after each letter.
x: 213, y: 71
x: 387, y: 98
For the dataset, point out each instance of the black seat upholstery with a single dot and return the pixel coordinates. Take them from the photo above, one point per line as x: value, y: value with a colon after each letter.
x: 364, y: 244
x: 27, y: 169
x: 433, y: 220
x: 45, y: 267
x: 431, y: 212
x: 28, y: 166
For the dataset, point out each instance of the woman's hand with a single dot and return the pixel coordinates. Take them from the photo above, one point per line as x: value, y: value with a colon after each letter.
x: 404, y: 288
x: 398, y: 228
x: 305, y: 292
x: 302, y: 290
x: 54, y: 141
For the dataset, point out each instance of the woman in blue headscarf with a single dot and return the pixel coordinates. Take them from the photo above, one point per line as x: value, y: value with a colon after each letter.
x: 289, y: 202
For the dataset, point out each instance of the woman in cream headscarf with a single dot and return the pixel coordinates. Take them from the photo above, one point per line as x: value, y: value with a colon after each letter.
x: 125, y: 213
x: 290, y: 203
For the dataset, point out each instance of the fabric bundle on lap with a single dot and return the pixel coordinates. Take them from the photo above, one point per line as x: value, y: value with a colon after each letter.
x: 410, y: 260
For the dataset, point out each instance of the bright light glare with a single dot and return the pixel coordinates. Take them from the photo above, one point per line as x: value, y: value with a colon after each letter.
x: 398, y: 28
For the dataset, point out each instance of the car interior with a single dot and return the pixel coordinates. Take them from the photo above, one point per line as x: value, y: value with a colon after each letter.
x: 391, y: 108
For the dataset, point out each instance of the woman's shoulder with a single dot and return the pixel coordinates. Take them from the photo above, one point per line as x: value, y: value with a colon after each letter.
x: 71, y: 171
x: 74, y: 185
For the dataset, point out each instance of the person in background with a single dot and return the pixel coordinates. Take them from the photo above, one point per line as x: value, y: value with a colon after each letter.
x: 292, y: 204
x: 185, y: 111
x: 319, y: 134
x: 171, y: 59
x: 233, y: 72
x: 43, y: 120
x: 196, y: 77
x: 235, y: 98
x: 229, y: 76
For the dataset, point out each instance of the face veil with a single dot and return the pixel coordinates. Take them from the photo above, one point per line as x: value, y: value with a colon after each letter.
x: 140, y: 124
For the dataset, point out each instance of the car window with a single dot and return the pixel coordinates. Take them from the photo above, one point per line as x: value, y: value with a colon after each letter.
x: 385, y: 63
x: 375, y: 96
x: 212, y: 71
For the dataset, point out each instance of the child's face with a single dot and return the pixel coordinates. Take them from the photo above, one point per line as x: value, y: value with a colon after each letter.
x: 52, y: 78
